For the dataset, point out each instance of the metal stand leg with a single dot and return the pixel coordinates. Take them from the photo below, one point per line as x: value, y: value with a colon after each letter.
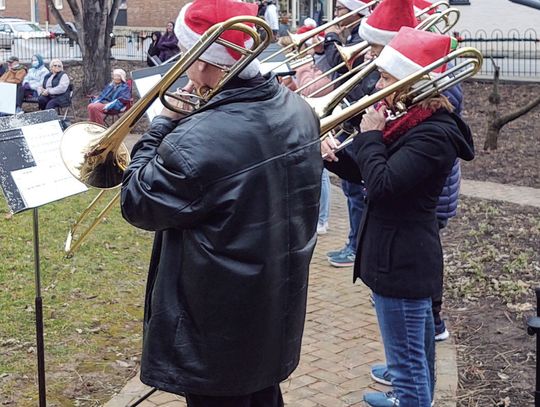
x: 39, y: 317
x: 533, y: 324
x: 143, y: 398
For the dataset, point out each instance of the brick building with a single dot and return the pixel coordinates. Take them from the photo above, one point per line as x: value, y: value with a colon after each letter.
x: 133, y: 13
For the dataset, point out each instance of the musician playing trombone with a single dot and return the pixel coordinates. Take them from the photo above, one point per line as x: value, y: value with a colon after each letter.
x: 404, y: 161
x: 232, y: 191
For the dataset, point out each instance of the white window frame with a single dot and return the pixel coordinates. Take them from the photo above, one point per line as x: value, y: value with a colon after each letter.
x: 59, y: 4
x: 2, y: 4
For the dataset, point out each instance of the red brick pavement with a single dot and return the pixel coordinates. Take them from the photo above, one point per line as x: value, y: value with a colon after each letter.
x: 341, y: 338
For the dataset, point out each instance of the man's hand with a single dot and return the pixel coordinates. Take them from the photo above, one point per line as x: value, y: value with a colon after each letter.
x: 373, y: 120
x: 334, y: 29
x: 177, y: 103
x: 328, y: 146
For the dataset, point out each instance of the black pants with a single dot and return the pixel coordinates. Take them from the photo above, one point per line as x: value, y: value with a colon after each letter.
x: 269, y: 397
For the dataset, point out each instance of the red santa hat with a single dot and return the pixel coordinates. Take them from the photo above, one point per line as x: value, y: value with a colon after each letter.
x: 420, y: 5
x: 386, y: 20
x: 197, y: 17
x: 306, y: 28
x: 412, y: 50
x: 354, y: 4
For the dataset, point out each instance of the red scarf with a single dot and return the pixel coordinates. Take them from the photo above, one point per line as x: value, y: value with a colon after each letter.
x: 396, y: 128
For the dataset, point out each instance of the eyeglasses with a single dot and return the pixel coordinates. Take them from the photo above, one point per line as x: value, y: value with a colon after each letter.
x: 338, y: 8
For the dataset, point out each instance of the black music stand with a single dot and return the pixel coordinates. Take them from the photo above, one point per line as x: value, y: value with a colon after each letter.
x: 533, y: 328
x: 32, y: 175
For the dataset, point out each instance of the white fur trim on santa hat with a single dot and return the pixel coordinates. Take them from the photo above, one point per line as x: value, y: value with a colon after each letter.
x: 310, y: 22
x: 354, y: 4
x: 375, y: 35
x: 216, y: 53
x: 396, y: 64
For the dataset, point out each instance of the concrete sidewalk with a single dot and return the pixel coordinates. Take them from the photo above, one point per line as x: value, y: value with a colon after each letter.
x: 341, y: 339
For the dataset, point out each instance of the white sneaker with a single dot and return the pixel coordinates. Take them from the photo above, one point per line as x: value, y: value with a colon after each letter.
x: 322, y: 228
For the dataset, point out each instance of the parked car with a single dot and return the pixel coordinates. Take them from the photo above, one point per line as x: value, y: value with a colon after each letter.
x: 18, y: 28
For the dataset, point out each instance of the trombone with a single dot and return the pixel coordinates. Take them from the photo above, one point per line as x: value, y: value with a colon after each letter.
x: 417, y: 86
x: 97, y: 156
x: 448, y: 17
x: 298, y: 40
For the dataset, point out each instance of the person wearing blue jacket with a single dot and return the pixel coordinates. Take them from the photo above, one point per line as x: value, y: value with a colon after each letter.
x: 35, y: 76
x: 113, y: 97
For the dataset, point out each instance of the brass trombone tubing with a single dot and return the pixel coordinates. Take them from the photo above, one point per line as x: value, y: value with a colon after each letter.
x: 68, y: 248
x: 474, y: 60
x: 92, y: 142
x: 300, y: 39
x: 435, y: 6
x: 363, y: 47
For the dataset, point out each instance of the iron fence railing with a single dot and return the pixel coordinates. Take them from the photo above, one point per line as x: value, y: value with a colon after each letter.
x: 126, y: 47
x: 516, y: 53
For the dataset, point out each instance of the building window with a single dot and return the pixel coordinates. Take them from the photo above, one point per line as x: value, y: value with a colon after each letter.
x: 123, y: 4
x: 2, y: 4
x: 59, y: 4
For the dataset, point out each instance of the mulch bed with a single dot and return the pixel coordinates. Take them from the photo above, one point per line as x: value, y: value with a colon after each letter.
x: 492, y: 260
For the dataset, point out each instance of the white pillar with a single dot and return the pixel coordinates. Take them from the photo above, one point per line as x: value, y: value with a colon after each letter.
x: 294, y: 7
x: 33, y: 16
x: 329, y: 10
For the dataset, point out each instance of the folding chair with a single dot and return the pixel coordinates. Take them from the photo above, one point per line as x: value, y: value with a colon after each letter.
x: 63, y: 111
x: 113, y: 115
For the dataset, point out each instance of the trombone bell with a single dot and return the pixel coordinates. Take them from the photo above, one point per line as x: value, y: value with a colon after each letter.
x: 95, y: 167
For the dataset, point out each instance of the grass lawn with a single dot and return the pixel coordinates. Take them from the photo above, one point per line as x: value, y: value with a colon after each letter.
x: 93, y: 305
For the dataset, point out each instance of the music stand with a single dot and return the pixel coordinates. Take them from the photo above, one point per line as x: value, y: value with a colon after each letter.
x: 32, y: 174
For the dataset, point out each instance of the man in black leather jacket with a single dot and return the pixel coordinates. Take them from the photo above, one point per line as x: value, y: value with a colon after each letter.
x: 232, y: 192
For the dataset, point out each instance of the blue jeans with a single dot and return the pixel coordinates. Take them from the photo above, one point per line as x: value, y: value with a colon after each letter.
x: 355, y: 204
x: 408, y: 336
x: 324, y: 203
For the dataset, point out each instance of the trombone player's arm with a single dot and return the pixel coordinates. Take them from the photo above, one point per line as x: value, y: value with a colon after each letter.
x: 160, y: 189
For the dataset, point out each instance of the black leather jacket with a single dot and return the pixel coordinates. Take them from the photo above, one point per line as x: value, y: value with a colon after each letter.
x: 233, y: 193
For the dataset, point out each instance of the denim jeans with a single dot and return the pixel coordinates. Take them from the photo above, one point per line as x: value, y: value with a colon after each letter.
x: 408, y: 336
x: 355, y: 205
x: 324, y: 203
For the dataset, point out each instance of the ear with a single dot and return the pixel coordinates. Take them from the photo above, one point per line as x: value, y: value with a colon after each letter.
x: 202, y: 66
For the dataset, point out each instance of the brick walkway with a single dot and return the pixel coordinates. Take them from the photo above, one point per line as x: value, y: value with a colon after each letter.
x: 341, y: 339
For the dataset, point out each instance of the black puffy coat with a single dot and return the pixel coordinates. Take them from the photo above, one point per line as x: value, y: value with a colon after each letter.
x: 233, y: 193
x: 399, y: 250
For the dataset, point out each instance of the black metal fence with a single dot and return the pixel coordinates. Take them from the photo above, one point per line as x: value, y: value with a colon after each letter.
x: 126, y: 47
x: 516, y: 53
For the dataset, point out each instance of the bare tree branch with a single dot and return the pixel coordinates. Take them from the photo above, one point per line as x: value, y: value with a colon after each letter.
x: 503, y: 120
x: 67, y: 29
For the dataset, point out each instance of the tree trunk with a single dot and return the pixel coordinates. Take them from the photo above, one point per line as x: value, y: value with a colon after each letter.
x: 94, y: 23
x: 492, y: 131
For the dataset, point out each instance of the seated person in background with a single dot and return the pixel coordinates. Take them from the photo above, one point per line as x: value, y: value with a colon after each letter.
x: 110, y: 98
x: 35, y: 76
x: 54, y: 91
x: 15, y: 74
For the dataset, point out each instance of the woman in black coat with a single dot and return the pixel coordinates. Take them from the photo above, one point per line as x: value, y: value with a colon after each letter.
x: 404, y: 164
x: 153, y: 50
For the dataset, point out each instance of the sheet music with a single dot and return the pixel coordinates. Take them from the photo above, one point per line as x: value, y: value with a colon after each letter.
x: 9, y: 97
x: 143, y: 87
x: 48, y: 180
